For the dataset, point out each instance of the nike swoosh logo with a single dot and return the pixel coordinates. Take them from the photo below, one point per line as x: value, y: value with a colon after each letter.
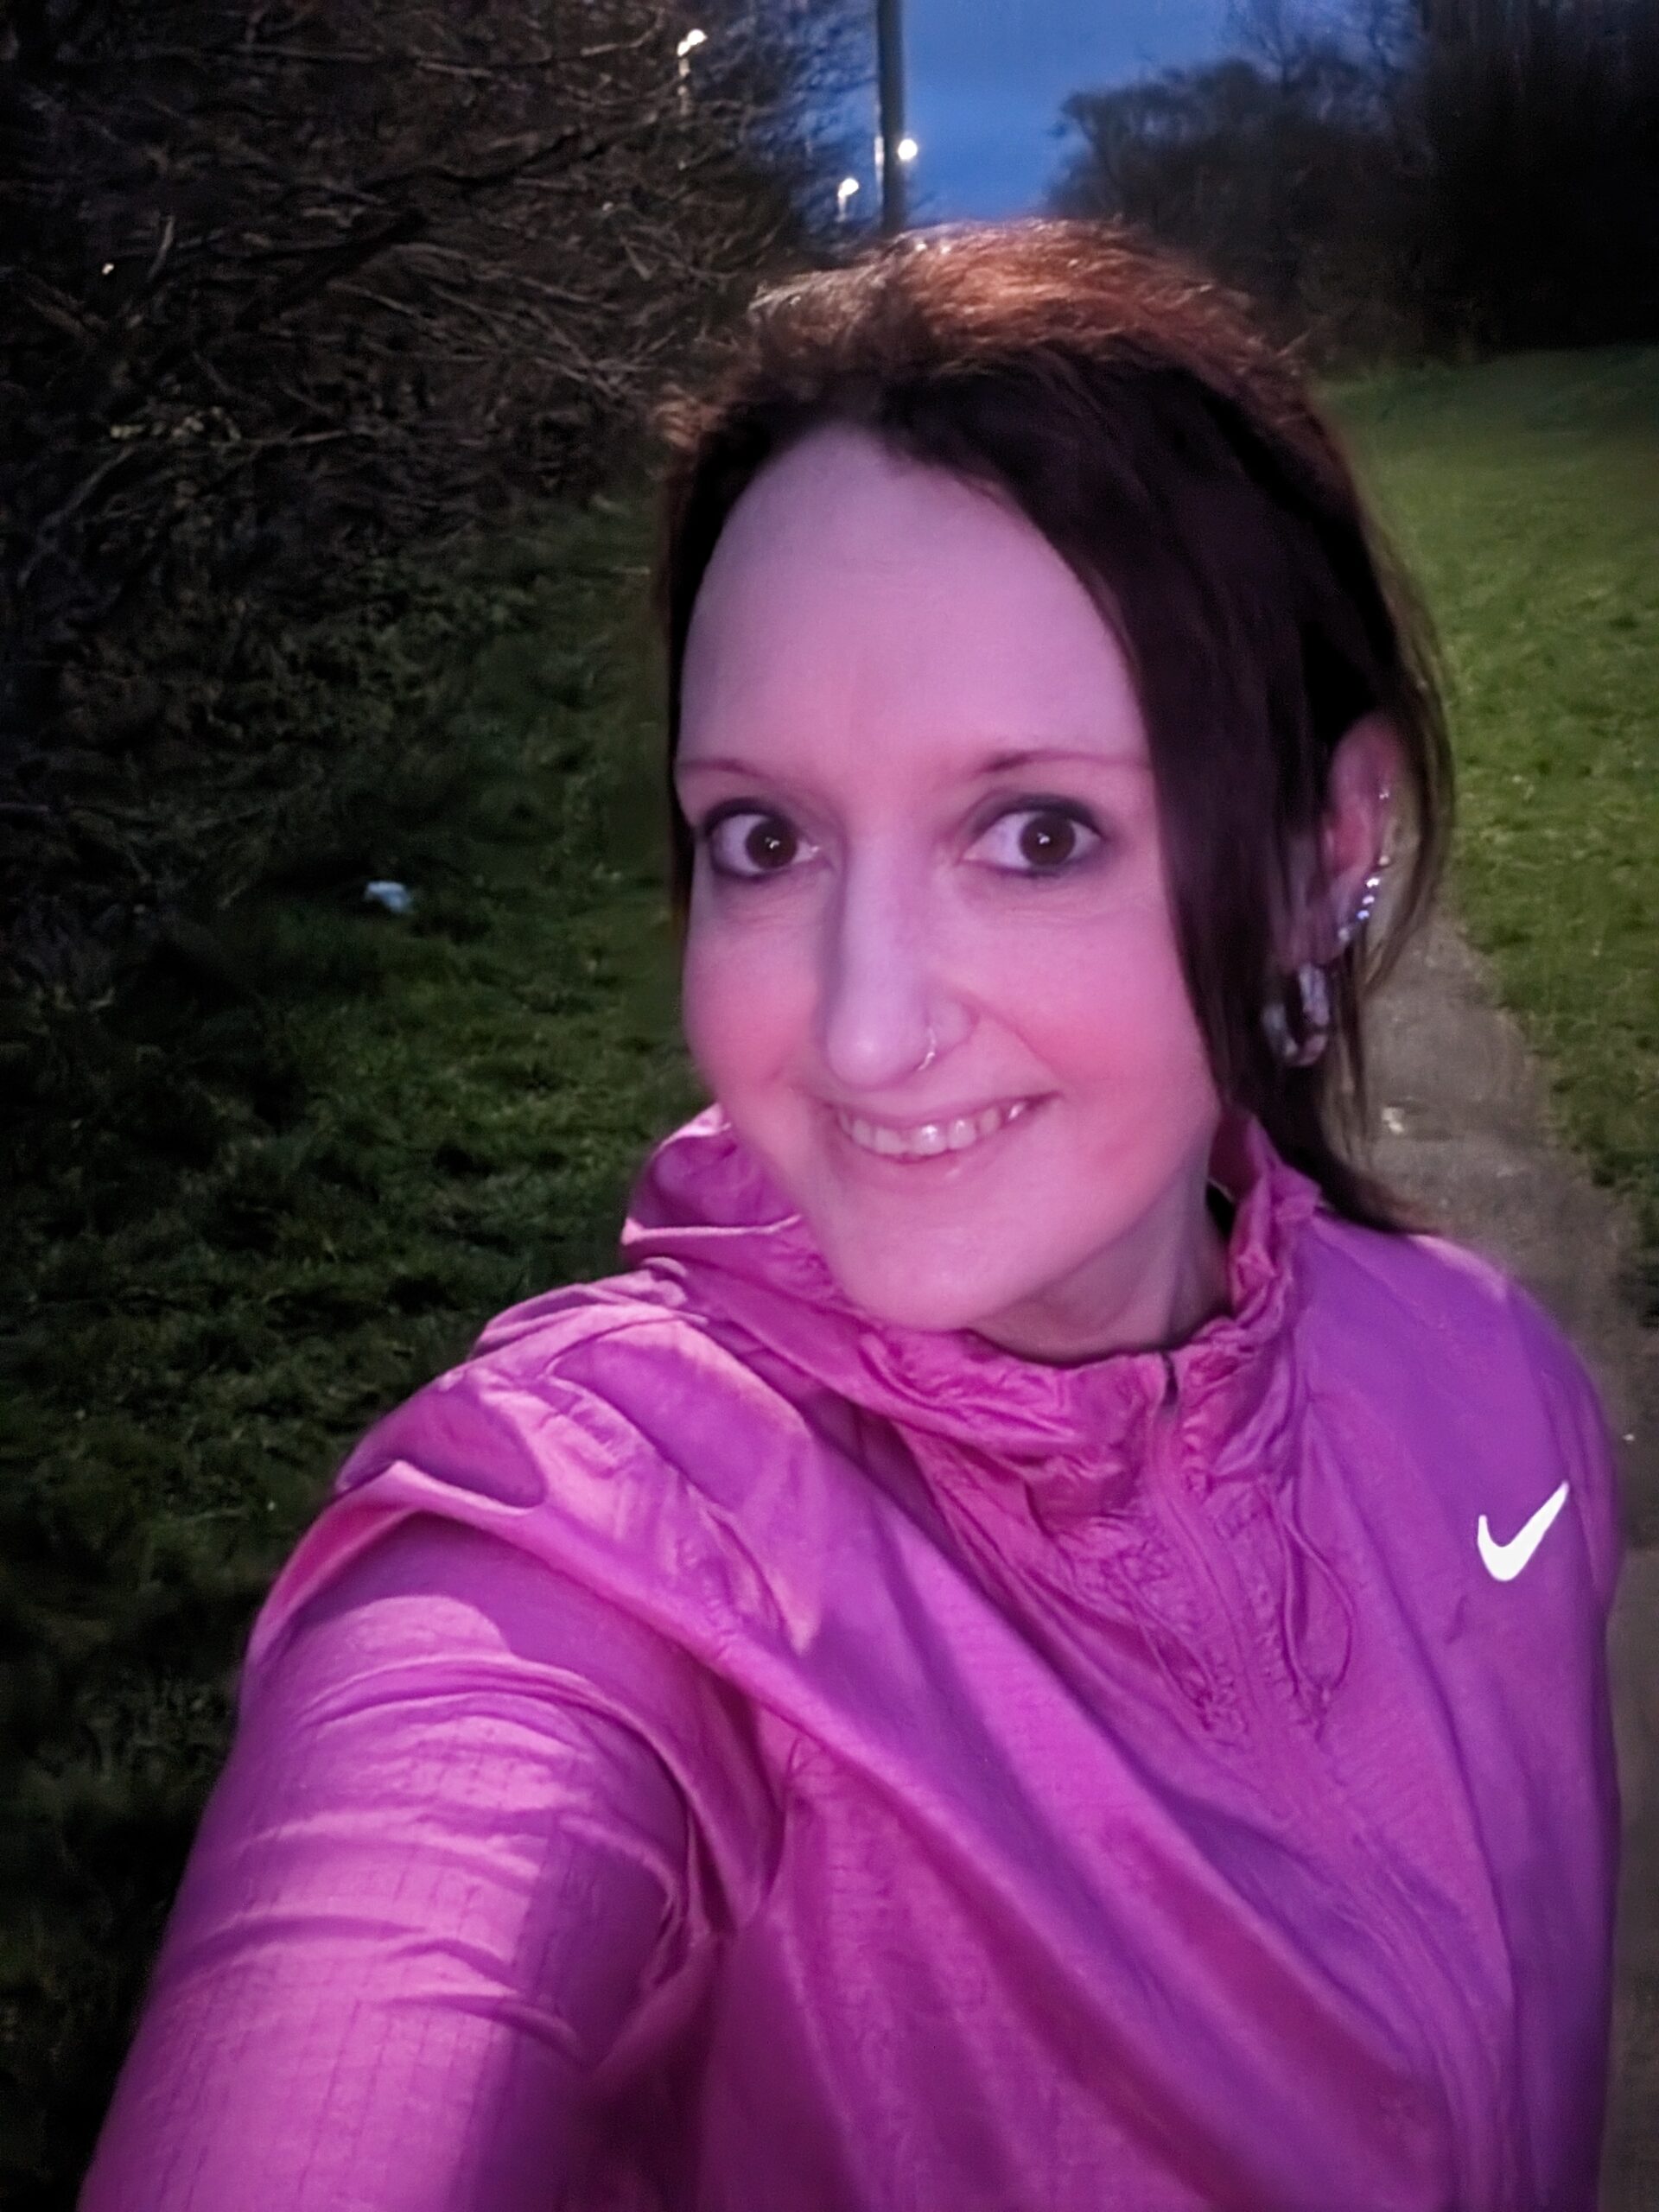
x: 1504, y: 1561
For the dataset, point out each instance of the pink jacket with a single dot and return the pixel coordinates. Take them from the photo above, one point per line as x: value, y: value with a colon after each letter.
x: 716, y: 1749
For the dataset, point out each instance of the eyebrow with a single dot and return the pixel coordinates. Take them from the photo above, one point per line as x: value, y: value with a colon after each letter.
x: 994, y: 764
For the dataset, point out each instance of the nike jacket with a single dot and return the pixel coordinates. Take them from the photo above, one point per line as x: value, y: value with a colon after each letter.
x: 717, y: 1749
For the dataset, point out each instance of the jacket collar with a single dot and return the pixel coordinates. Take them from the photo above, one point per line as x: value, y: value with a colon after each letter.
x: 704, y: 1205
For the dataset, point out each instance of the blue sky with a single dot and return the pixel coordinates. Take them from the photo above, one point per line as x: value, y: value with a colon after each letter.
x: 984, y: 80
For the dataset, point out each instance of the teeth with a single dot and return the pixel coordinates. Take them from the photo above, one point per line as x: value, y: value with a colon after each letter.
x: 930, y: 1137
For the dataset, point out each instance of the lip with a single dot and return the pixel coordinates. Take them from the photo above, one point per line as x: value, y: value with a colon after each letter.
x: 937, y: 1166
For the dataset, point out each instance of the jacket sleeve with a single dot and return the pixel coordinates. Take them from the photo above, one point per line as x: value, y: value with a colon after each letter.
x: 437, y: 1874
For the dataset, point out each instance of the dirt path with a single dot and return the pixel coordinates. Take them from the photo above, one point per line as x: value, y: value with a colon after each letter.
x: 1467, y: 1135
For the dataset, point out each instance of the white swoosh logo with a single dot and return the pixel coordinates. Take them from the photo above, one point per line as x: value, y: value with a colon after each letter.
x: 1504, y: 1561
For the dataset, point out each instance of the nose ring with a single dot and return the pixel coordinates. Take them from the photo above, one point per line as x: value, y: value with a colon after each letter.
x: 932, y: 1049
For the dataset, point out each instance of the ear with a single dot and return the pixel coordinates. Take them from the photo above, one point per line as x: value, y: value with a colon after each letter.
x: 1366, y: 769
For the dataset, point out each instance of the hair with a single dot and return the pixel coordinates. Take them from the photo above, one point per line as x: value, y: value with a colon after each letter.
x: 1133, y: 413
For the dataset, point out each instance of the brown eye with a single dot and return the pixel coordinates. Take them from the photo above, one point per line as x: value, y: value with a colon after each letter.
x: 767, y: 847
x: 1047, y: 840
x: 1039, y: 840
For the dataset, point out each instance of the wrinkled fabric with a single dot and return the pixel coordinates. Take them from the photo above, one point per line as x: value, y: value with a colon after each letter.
x: 717, y: 1749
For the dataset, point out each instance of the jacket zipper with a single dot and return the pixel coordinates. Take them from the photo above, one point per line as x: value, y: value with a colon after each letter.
x: 1165, y: 1491
x: 1298, y: 1769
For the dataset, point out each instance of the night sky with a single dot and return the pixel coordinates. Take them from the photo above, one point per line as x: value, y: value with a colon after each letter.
x: 984, y: 80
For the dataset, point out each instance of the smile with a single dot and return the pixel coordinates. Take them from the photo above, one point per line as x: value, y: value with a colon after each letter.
x: 927, y: 1140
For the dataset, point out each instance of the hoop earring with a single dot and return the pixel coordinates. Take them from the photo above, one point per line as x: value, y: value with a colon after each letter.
x: 1304, y: 1045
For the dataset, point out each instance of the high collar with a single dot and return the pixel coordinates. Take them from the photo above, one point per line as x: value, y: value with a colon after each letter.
x: 704, y: 1204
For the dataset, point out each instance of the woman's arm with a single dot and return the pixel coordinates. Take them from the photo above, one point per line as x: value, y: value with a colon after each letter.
x: 432, y: 1882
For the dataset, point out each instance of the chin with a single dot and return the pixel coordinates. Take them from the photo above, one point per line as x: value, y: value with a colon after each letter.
x: 906, y: 1302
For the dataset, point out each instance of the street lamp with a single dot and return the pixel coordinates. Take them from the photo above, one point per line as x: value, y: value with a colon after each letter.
x: 844, y: 193
x: 906, y: 150
x: 890, y: 94
x: 682, y: 54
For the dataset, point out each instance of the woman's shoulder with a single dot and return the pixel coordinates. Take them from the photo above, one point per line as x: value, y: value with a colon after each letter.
x: 1456, y: 1354
x: 606, y: 1429
x: 509, y: 1542
x: 632, y: 1375
x: 1402, y: 1290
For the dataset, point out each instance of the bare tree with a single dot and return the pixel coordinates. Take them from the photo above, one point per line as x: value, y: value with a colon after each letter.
x: 1264, y: 175
x: 289, y: 283
x: 1389, y: 174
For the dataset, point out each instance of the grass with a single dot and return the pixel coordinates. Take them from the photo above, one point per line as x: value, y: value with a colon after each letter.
x: 284, y: 1179
x: 1525, y: 495
x: 278, y: 1187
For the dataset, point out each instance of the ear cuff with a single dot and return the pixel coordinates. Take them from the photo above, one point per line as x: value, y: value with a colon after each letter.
x: 1299, y: 1032
x: 1366, y: 907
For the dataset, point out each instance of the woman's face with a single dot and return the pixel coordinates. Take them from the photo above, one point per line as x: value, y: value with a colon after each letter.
x: 913, y: 761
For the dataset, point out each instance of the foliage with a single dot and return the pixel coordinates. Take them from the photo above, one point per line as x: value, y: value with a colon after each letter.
x: 278, y: 1183
x: 291, y: 286
x: 1402, y: 177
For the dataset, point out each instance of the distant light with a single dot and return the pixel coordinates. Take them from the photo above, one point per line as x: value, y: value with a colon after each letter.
x: 690, y: 42
x: 108, y: 269
x: 845, y: 190
x: 907, y: 149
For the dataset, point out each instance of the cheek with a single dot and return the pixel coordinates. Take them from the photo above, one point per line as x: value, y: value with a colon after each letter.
x: 744, y: 999
x: 1110, y: 1005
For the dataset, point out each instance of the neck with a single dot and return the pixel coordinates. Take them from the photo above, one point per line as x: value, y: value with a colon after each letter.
x: 1164, y: 1283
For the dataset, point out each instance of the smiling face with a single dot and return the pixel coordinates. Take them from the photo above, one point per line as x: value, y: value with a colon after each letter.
x: 873, y: 642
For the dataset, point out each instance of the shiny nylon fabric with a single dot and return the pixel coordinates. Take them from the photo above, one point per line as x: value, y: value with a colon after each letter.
x: 1112, y: 1785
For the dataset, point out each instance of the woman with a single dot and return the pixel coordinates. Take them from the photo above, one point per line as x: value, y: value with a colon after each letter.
x: 1037, y: 1649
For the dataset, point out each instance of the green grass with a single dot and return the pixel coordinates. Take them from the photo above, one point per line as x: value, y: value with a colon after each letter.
x: 284, y: 1179
x: 279, y: 1185
x: 1525, y: 495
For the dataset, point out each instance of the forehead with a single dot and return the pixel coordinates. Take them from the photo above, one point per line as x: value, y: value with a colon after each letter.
x: 863, y: 610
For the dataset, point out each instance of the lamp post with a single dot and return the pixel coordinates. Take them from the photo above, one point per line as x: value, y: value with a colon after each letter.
x: 845, y: 191
x: 889, y: 145
x: 682, y: 54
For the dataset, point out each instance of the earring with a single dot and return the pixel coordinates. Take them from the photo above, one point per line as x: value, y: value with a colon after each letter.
x: 1366, y: 907
x: 1312, y: 1032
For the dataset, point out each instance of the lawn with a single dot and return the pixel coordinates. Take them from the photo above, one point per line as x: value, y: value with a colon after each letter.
x: 1525, y: 495
x: 274, y: 1191
x: 287, y: 1181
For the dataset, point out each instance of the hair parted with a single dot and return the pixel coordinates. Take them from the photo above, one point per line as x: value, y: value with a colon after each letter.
x: 1132, y: 412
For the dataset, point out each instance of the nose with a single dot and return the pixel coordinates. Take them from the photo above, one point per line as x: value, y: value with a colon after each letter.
x: 877, y: 995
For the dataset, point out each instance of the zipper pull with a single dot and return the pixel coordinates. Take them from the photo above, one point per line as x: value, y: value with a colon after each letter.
x: 1171, y: 1386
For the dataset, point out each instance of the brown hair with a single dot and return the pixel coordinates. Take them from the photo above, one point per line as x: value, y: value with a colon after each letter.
x: 1131, y: 410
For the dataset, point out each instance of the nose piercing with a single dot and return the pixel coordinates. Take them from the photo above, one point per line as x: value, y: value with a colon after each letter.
x: 932, y: 1049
